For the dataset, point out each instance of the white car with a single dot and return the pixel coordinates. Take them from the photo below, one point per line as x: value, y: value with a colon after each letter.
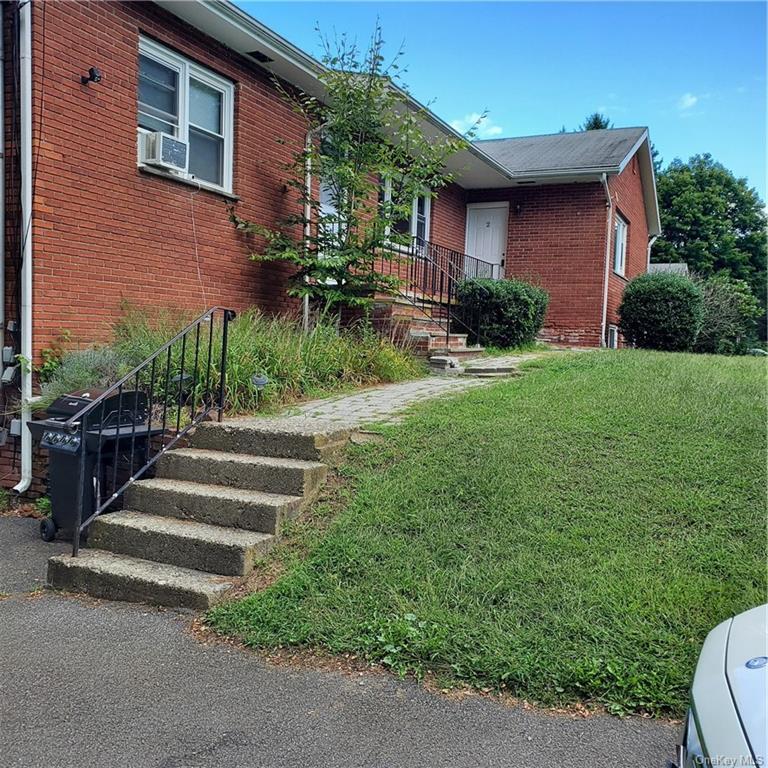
x: 726, y: 723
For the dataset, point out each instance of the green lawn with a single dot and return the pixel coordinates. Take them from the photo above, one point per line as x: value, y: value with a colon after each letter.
x: 569, y: 535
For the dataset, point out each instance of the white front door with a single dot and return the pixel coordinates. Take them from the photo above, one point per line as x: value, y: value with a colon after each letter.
x: 486, y: 238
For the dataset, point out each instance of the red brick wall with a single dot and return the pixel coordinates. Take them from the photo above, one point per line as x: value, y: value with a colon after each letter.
x: 449, y: 217
x: 557, y: 241
x: 104, y: 232
x: 627, y: 195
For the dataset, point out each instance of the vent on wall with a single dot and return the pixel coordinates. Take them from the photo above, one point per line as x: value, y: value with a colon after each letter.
x: 259, y: 56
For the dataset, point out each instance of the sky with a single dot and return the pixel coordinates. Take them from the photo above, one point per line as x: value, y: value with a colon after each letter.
x: 694, y: 73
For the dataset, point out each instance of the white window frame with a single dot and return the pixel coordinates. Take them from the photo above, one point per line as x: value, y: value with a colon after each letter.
x: 187, y: 69
x: 620, y: 229
x: 612, y: 342
x: 414, y: 213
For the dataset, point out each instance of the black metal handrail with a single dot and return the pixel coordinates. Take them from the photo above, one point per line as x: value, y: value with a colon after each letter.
x: 157, y: 393
x: 430, y: 274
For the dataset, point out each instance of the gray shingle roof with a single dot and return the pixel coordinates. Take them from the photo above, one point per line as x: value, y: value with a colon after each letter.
x: 563, y: 151
x: 672, y: 267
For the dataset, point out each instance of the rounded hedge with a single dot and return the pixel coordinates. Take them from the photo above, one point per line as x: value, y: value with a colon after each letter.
x: 501, y: 313
x: 661, y: 311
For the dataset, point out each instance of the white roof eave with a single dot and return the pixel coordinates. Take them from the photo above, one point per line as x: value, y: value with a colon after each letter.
x: 472, y: 168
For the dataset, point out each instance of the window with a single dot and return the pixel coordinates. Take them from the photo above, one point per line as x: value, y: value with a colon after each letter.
x: 613, y: 337
x: 329, y: 228
x: 619, y: 245
x: 417, y: 224
x: 193, y: 104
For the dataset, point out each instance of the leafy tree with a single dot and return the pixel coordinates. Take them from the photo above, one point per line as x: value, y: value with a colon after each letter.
x: 367, y: 135
x: 596, y: 122
x: 729, y: 314
x: 712, y: 221
x: 656, y: 159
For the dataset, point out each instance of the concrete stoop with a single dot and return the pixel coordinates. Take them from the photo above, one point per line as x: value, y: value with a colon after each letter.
x: 435, y: 347
x: 189, y: 535
x: 482, y: 368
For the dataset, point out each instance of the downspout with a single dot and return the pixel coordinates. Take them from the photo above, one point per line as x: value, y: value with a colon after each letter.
x: 307, y: 214
x: 652, y: 240
x: 2, y: 179
x: 311, y: 133
x: 608, y: 220
x: 25, y: 61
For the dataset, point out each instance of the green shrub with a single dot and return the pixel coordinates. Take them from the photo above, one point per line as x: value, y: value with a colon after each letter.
x: 507, y: 313
x: 730, y: 311
x: 296, y: 364
x: 95, y: 368
x: 661, y: 311
x: 43, y: 506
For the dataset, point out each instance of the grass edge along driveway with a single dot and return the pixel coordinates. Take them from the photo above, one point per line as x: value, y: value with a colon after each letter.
x: 568, y: 536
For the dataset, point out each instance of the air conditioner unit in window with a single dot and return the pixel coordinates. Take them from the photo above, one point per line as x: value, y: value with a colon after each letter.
x: 162, y: 150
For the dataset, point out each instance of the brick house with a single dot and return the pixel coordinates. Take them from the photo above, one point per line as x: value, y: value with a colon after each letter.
x: 91, y: 222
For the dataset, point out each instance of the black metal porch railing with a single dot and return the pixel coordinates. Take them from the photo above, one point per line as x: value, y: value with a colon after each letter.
x: 430, y: 275
x: 128, y: 427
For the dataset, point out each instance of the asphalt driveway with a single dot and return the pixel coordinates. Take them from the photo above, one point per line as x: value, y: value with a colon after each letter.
x: 109, y: 684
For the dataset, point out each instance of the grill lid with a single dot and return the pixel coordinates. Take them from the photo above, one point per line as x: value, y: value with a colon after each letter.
x: 68, y: 405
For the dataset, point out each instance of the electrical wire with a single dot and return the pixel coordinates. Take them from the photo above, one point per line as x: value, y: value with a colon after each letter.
x: 197, y: 254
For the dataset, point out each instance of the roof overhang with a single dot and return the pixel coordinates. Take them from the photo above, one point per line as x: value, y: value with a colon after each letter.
x: 642, y: 148
x: 471, y: 167
x: 225, y: 22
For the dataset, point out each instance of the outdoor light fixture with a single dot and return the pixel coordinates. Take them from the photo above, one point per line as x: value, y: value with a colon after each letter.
x: 93, y: 76
x: 259, y: 382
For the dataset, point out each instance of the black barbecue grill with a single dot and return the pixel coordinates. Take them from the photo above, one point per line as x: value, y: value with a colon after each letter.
x: 114, y: 440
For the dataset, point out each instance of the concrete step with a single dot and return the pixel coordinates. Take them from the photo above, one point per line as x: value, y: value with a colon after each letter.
x: 489, y: 366
x: 119, y: 577
x: 480, y: 369
x: 213, y: 504
x: 288, y: 438
x: 492, y: 374
x: 292, y: 477
x: 461, y: 353
x: 185, y: 543
x: 435, y: 341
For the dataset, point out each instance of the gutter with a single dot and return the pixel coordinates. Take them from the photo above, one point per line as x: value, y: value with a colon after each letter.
x: 25, y: 60
x: 608, y: 219
x: 595, y: 172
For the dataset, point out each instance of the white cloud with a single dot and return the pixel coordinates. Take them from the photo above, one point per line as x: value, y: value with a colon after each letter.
x: 686, y: 101
x: 486, y: 130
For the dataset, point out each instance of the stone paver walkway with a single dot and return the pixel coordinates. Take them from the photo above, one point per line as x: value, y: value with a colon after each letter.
x: 501, y: 363
x: 386, y: 403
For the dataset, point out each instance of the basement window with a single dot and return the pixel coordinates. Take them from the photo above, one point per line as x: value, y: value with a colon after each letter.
x: 613, y: 337
x: 620, y: 227
x: 191, y: 103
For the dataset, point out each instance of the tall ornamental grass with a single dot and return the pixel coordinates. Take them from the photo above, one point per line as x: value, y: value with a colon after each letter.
x: 296, y: 364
